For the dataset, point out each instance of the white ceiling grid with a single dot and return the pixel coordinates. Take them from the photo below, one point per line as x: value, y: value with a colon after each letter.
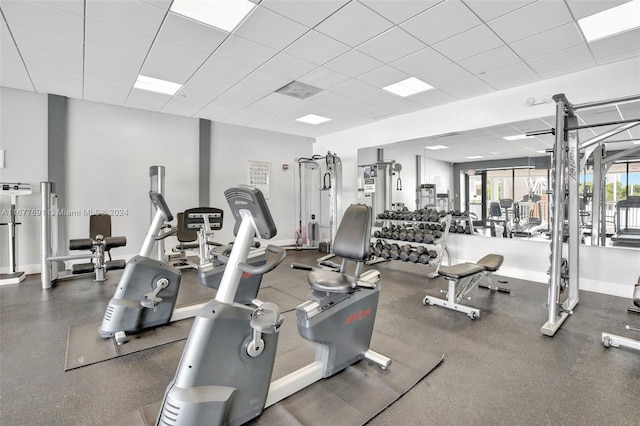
x: 95, y: 49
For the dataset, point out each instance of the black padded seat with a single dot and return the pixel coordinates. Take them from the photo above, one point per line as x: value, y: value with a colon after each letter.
x: 636, y: 294
x: 330, y: 281
x: 491, y: 262
x: 460, y: 270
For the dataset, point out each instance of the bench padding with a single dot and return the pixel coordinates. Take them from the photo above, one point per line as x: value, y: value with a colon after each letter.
x: 335, y: 282
x: 491, y: 262
x: 460, y: 270
x: 636, y: 294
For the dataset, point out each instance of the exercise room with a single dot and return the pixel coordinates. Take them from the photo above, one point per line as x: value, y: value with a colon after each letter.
x: 312, y: 212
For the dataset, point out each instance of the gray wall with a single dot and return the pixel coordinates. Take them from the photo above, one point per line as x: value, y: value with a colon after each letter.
x: 108, y: 152
x: 232, y: 149
x: 23, y: 135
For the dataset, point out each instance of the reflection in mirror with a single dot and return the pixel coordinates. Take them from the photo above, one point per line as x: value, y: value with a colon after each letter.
x: 501, y: 176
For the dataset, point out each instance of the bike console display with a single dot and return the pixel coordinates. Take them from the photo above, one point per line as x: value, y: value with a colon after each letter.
x: 252, y: 200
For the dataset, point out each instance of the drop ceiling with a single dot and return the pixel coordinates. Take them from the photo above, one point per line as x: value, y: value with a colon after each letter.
x: 94, y: 50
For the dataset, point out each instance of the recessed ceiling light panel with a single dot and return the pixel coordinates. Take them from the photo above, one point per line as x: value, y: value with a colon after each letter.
x: 222, y: 14
x: 612, y: 21
x: 517, y: 137
x: 408, y: 87
x: 313, y: 119
x: 435, y: 147
x: 156, y: 85
x: 474, y: 157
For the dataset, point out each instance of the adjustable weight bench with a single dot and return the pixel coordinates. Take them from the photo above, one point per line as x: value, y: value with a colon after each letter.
x: 463, y: 278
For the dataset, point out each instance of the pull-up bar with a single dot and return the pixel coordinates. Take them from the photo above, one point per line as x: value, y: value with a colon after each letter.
x: 605, y: 102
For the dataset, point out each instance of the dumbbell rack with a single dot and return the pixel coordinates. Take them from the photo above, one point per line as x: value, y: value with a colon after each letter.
x: 437, y: 245
x: 463, y: 224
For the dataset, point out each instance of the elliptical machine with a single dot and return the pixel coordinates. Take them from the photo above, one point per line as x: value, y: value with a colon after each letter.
x: 224, y: 376
x: 148, y: 289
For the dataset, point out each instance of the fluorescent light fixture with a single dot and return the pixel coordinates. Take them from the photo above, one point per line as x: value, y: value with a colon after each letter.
x: 156, y: 85
x: 313, y: 119
x: 436, y: 147
x: 517, y: 137
x: 611, y: 21
x: 636, y: 142
x: 222, y: 14
x: 408, y: 87
x: 474, y: 157
x: 542, y: 151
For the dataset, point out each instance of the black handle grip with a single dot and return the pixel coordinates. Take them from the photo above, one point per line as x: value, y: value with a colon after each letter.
x: 301, y: 266
x: 267, y: 267
x: 170, y: 232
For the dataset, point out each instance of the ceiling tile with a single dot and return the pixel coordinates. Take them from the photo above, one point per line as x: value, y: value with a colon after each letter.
x: 264, y: 82
x: 379, y: 112
x: 217, y: 68
x: 467, y: 88
x: 270, y: 29
x: 203, y: 89
x: 625, y: 42
x: 383, y: 76
x: 404, y: 105
x: 618, y: 57
x: 97, y: 56
x: 12, y: 70
x: 188, y: 33
x: 432, y: 98
x: 469, y: 43
x: 48, y: 80
x: 184, y: 106
x: 445, y: 75
x: 144, y: 99
x: 563, y: 70
x: 323, y: 78
x: 511, y: 73
x: 43, y: 19
x: 287, y: 66
x: 391, y: 45
x: 531, y: 19
x: 582, y: 9
x: 328, y: 98
x: 353, y: 105
x: 559, y: 60
x: 134, y: 16
x: 55, y: 64
x: 353, y: 64
x: 116, y: 39
x: 100, y: 91
x: 354, y: 24
x: 508, y: 82
x: 277, y: 101
x: 173, y: 63
x: 316, y: 48
x: 34, y: 42
x: 110, y: 75
x: 244, y: 52
x: 70, y: 6
x: 378, y: 97
x: 399, y: 11
x: 162, y: 4
x: 441, y: 21
x: 353, y: 89
x: 492, y: 60
x: 421, y: 61
x: 233, y: 100
x: 550, y: 41
x: 491, y: 9
x: 308, y: 12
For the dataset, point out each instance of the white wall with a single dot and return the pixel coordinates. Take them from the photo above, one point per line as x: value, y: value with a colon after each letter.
x: 232, y: 149
x: 505, y: 106
x: 608, y: 270
x: 109, y: 151
x: 23, y: 135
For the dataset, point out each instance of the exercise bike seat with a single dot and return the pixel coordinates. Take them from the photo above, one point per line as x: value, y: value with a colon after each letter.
x: 331, y: 281
x: 636, y: 294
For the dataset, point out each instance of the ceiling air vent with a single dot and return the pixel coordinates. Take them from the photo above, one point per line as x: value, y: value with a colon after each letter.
x: 299, y: 90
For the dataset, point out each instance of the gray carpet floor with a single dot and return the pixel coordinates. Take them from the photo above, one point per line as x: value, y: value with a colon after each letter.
x: 498, y: 369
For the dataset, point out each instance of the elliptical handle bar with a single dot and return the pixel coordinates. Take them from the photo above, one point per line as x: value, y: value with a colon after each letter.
x: 267, y: 267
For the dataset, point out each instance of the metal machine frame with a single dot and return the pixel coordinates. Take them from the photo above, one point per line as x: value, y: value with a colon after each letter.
x: 13, y: 190
x: 569, y: 158
x: 310, y: 188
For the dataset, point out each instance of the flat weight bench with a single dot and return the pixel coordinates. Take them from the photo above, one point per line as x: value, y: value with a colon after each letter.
x: 463, y: 278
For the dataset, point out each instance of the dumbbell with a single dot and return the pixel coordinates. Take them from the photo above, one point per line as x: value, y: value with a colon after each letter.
x: 467, y: 229
x: 418, y: 237
x: 385, y: 253
x: 394, y: 254
x: 377, y: 234
x: 421, y: 249
x: 453, y: 229
x: 460, y: 229
x: 414, y: 257
x: 432, y: 254
x: 428, y: 239
x: 424, y: 258
x: 436, y: 234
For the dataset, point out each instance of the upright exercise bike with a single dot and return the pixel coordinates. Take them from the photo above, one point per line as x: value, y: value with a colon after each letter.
x: 224, y: 376
x: 147, y: 292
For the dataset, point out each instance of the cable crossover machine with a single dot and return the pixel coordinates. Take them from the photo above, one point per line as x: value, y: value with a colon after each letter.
x: 569, y: 157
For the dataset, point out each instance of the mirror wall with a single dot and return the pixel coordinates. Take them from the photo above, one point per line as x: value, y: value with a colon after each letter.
x: 501, y: 176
